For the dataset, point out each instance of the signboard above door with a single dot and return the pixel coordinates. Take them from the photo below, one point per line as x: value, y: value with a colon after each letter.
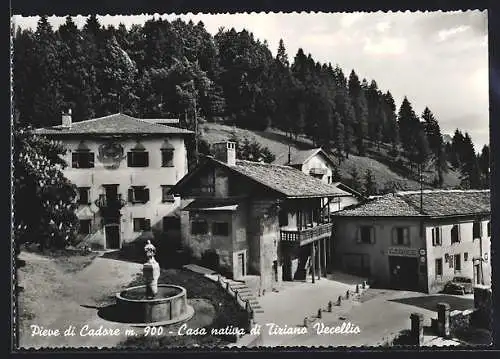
x: 402, y: 252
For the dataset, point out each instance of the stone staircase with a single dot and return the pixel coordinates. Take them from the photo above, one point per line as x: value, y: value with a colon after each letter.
x: 246, y: 293
x: 247, y: 289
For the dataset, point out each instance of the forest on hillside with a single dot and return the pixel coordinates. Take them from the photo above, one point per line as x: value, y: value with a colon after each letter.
x: 177, y: 69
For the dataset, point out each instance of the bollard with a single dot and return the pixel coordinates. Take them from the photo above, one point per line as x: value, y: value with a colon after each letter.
x: 339, y: 301
x: 357, y: 288
x: 443, y: 310
x: 347, y: 294
x: 330, y: 305
x: 319, y: 313
x: 417, y: 328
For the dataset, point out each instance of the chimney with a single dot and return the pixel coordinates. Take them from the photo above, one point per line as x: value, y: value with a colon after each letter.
x: 66, y: 119
x: 225, y: 152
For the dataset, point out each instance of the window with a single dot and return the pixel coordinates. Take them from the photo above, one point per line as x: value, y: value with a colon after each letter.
x: 142, y: 224
x: 488, y: 229
x: 220, y: 229
x: 283, y: 218
x: 167, y: 157
x: 138, y: 159
x: 165, y: 195
x: 439, y: 267
x: 366, y: 235
x: 476, y: 230
x: 455, y: 233
x: 82, y: 159
x: 458, y: 264
x: 436, y: 236
x: 199, y: 227
x: 85, y: 226
x: 138, y: 194
x: 171, y: 223
x: 466, y: 256
x: 83, y: 195
x: 401, y: 236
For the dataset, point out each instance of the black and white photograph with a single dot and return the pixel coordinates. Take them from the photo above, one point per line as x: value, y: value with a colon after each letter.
x: 251, y: 180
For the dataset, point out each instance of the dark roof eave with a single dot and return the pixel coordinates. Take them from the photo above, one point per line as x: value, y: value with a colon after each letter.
x: 319, y: 196
x: 480, y: 214
x: 114, y: 134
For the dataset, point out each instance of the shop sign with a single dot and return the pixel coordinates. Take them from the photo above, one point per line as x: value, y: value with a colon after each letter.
x: 402, y: 252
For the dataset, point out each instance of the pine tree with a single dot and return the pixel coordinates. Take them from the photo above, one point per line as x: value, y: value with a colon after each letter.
x: 355, y: 180
x: 409, y: 126
x: 470, y: 175
x: 281, y: 55
x: 484, y: 166
x: 370, y: 185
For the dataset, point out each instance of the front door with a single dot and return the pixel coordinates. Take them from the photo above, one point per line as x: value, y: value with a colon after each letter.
x: 477, y: 273
x: 239, y: 270
x: 404, y: 272
x: 112, y: 233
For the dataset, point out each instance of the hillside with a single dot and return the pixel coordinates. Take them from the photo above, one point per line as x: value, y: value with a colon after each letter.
x: 383, y: 169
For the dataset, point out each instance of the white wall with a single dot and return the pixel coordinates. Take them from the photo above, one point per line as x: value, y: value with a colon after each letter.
x: 467, y: 244
x: 153, y: 177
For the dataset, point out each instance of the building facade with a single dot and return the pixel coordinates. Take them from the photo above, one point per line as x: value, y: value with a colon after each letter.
x: 250, y: 218
x: 317, y: 163
x: 400, y: 244
x: 123, y: 168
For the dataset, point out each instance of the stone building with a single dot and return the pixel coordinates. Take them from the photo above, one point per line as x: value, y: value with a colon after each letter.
x: 399, y: 243
x: 253, y: 218
x: 318, y: 163
x: 123, y: 168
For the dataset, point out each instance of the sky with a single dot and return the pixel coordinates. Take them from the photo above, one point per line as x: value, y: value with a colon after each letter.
x: 436, y: 59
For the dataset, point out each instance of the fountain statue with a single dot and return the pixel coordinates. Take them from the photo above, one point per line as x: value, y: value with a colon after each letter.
x: 153, y: 303
x: 151, y: 271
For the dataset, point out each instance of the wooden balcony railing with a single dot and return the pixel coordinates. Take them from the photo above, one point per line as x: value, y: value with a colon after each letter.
x: 307, y: 235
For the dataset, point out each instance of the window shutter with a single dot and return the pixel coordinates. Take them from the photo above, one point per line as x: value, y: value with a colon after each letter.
x: 358, y: 235
x: 131, y: 195
x: 372, y: 235
x: 147, y: 224
x: 146, y: 194
x: 406, y: 233
x: 458, y: 233
x: 146, y: 155
x: 91, y: 159
x: 129, y: 159
x: 433, y: 235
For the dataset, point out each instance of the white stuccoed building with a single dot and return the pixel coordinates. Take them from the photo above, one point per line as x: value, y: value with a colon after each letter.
x: 123, y: 168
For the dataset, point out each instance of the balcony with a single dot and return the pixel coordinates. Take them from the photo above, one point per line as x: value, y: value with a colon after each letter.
x: 110, y: 206
x: 307, y: 235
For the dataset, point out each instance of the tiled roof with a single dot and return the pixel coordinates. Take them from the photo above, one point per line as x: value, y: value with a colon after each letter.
x: 284, y: 179
x: 436, y: 203
x: 119, y: 124
x: 297, y: 157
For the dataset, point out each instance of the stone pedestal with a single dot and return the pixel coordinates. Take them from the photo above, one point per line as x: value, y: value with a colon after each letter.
x: 417, y: 328
x: 151, y: 273
x: 443, y: 310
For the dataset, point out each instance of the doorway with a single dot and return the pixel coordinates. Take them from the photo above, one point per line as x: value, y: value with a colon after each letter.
x: 403, y: 272
x: 240, y: 267
x: 112, y: 235
x: 477, y: 273
x: 111, y: 191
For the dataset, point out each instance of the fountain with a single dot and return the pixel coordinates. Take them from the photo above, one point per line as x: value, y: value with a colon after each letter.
x: 153, y: 303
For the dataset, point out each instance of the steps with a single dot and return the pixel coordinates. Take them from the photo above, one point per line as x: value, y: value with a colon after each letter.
x: 247, y: 288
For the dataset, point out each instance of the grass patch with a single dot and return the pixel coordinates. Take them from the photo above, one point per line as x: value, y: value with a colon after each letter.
x: 199, y: 289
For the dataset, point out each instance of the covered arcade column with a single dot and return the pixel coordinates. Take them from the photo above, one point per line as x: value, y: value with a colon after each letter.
x: 313, y: 262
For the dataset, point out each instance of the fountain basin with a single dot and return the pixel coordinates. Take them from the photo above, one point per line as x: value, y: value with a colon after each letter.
x: 169, y: 306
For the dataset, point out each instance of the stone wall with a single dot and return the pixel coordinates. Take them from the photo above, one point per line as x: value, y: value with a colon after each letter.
x: 483, y: 304
x: 264, y: 231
